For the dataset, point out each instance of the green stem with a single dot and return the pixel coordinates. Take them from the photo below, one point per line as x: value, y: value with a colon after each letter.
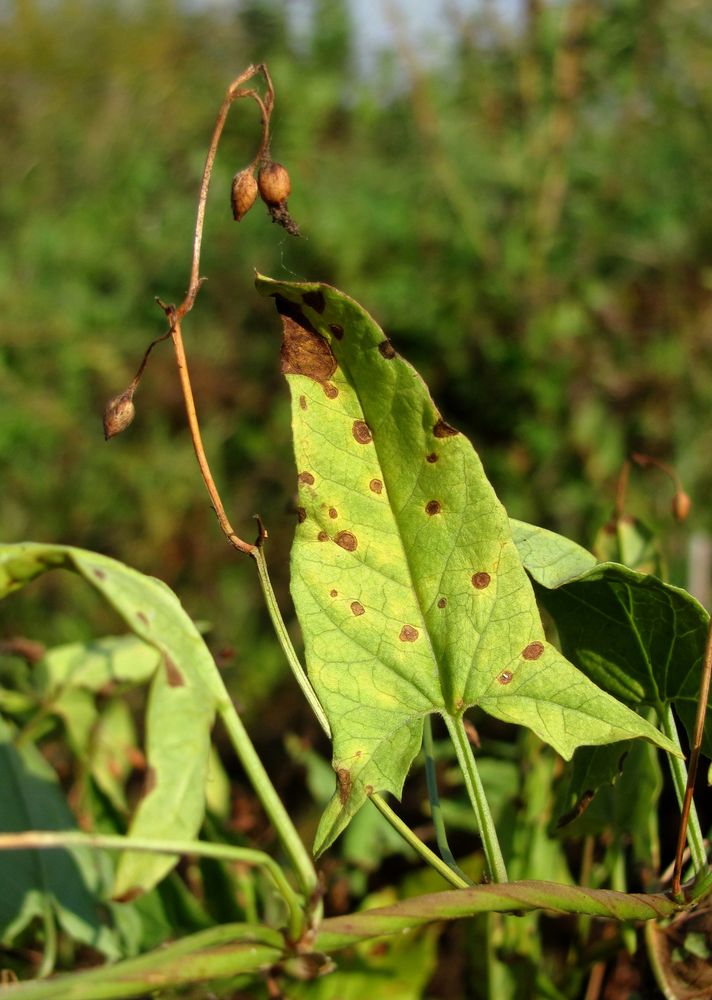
x: 695, y: 840
x: 285, y: 642
x: 435, y: 807
x: 48, y: 840
x: 271, y: 802
x: 466, y: 760
x: 49, y: 952
x: 430, y: 857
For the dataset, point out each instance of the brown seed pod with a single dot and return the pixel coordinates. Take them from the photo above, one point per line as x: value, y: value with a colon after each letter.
x: 118, y: 414
x: 681, y: 505
x: 243, y: 194
x: 274, y: 183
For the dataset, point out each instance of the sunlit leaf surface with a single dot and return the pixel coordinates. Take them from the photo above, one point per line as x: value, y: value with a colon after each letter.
x: 409, y: 588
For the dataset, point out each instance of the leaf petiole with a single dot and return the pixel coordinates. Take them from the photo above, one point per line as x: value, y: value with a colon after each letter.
x: 466, y: 760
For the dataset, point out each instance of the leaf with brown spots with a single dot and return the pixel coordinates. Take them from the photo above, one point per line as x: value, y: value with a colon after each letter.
x: 185, y: 690
x: 426, y: 547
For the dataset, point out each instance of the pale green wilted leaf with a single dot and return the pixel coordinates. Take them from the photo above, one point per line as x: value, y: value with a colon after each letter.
x: 182, y: 700
x: 408, y: 586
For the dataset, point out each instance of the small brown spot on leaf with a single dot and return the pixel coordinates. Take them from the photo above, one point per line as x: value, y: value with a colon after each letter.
x: 315, y: 300
x: 304, y: 351
x: 330, y: 390
x: 505, y: 677
x: 306, y: 478
x: 322, y: 536
x: 301, y: 515
x: 442, y: 602
x: 99, y: 574
x: 357, y: 608
x: 408, y: 633
x: 303, y: 402
x: 533, y: 651
x: 578, y: 810
x: 173, y: 675
x: 387, y: 349
x: 481, y: 580
x: 433, y: 507
x: 361, y: 432
x: 432, y: 457
x: 343, y: 780
x: 149, y: 782
x: 130, y: 895
x: 142, y: 618
x: 337, y: 330
x: 346, y: 540
x: 375, y: 486
x: 444, y: 430
x: 334, y: 593
x: 333, y: 513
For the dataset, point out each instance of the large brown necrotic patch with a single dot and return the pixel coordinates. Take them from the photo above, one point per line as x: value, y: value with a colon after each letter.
x: 304, y: 351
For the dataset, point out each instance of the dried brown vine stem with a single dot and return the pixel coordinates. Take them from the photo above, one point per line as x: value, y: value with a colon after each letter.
x: 694, y: 761
x: 175, y: 314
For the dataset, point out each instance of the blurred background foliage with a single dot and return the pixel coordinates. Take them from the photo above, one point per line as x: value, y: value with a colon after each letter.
x: 526, y: 210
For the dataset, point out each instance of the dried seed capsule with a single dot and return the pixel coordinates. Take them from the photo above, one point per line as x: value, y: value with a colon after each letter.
x: 681, y: 505
x: 274, y: 183
x: 243, y: 195
x: 118, y: 414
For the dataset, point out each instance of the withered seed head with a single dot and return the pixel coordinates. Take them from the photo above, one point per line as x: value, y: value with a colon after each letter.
x: 118, y: 414
x: 681, y: 505
x: 274, y: 183
x: 244, y: 194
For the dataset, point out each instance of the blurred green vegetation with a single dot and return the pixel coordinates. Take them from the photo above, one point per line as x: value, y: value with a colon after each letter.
x: 530, y: 219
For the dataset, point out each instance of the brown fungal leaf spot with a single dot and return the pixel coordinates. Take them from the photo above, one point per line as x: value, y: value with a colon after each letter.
x: 433, y: 507
x: 173, y: 675
x: 505, y: 677
x: 143, y: 618
x: 337, y: 330
x: 315, y: 300
x: 432, y: 457
x: 304, y: 351
x: 357, y: 608
x: 343, y: 780
x: 408, y: 633
x: 533, y: 651
x: 333, y: 513
x: 302, y: 402
x: 375, y: 486
x: 444, y: 430
x: 333, y: 593
x: 149, y: 782
x: 346, y: 540
x: 481, y: 580
x: 442, y: 602
x: 387, y: 349
x: 301, y: 515
x: 99, y: 574
x: 578, y: 810
x: 361, y: 432
x: 130, y: 895
x: 330, y: 390
x: 322, y: 536
x: 306, y: 478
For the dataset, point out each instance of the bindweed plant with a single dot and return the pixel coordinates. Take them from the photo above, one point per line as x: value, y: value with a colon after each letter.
x: 419, y: 600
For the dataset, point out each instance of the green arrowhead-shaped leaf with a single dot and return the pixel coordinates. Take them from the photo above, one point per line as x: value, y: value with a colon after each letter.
x: 182, y: 701
x: 639, y: 638
x: 408, y: 586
